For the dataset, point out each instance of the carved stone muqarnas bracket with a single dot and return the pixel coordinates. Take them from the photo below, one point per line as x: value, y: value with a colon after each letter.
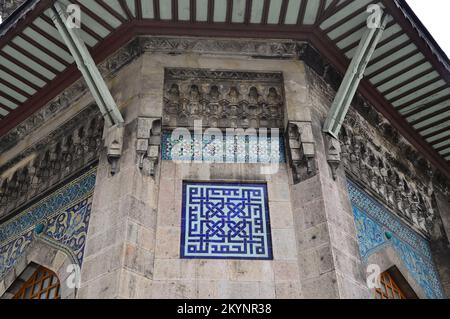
x: 114, y: 143
x: 148, y: 144
x: 302, y: 150
x: 333, y: 150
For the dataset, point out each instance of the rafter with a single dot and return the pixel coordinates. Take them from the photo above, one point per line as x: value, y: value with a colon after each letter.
x: 111, y: 11
x: 393, y: 63
x: 422, y: 97
x: 24, y: 66
x: 126, y: 9
x: 430, y: 116
x: 301, y: 12
x: 93, y: 16
x: 19, y: 77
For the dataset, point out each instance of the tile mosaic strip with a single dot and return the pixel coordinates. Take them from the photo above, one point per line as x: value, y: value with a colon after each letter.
x: 235, y: 149
x: 225, y: 221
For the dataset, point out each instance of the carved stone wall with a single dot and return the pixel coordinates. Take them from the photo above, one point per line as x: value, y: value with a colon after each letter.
x: 58, y: 156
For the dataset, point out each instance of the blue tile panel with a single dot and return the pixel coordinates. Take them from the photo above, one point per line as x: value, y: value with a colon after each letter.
x: 70, y: 227
x: 373, y: 221
x: 65, y: 212
x: 235, y: 149
x: 225, y: 221
x: 12, y: 251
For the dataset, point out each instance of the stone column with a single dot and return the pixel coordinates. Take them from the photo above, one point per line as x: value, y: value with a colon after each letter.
x: 328, y: 254
x: 120, y: 243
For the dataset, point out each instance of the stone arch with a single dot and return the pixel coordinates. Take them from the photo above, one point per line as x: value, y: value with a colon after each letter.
x: 388, y: 259
x: 42, y: 253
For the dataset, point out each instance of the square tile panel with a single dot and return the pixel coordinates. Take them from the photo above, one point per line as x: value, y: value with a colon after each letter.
x: 225, y: 221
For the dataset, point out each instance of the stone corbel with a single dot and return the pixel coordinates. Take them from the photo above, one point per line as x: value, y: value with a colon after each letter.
x: 302, y: 150
x: 114, y: 144
x: 333, y: 149
x: 148, y: 144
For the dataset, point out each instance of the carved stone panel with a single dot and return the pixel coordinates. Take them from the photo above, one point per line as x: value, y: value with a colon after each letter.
x: 223, y: 99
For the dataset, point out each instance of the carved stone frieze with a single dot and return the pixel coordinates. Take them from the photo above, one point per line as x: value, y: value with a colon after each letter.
x: 284, y: 49
x: 377, y: 170
x: 61, y: 154
x: 223, y: 99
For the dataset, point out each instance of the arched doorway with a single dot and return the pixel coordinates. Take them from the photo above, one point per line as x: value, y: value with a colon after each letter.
x: 393, y: 285
x: 36, y: 282
x: 389, y: 288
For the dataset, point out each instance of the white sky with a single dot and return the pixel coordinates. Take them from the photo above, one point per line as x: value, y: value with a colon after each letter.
x: 434, y: 15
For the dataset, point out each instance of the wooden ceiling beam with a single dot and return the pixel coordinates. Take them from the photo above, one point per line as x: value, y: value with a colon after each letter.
x: 14, y: 88
x: 320, y: 12
x: 19, y: 78
x: 111, y: 11
x: 441, y: 140
x: 414, y: 89
x: 248, y: 11
x: 401, y: 72
x: 426, y: 106
x: 422, y: 97
x: 48, y: 37
x: 23, y: 66
x: 408, y: 81
x: 393, y: 63
x: 175, y: 10
x: 438, y: 132
x: 301, y: 12
x: 37, y: 60
x: 126, y: 9
x: 283, y: 11
x: 344, y: 20
x: 265, y: 12
x: 93, y: 16
x: 83, y: 27
x: 7, y: 108
x: 229, y: 13
x: 334, y: 8
x: 399, y: 16
x: 193, y: 9
x: 434, y: 124
x: 44, y: 49
x: 11, y: 98
x: 443, y: 148
x: 430, y: 116
x: 389, y: 52
x: 156, y: 9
